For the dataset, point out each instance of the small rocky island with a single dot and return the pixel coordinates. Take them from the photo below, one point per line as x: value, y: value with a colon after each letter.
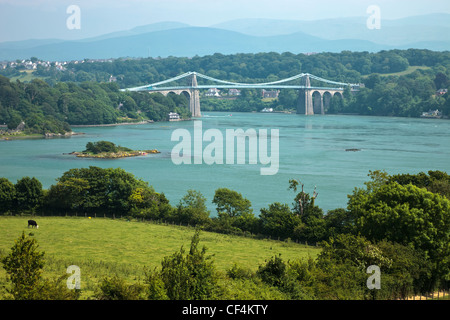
x: 108, y: 150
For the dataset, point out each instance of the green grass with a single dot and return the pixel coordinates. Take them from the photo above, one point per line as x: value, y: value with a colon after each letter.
x: 21, y: 135
x: 26, y: 76
x: 410, y: 70
x: 106, y: 247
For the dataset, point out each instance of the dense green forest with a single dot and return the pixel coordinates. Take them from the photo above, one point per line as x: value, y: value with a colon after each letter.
x: 396, y: 83
x: 400, y: 223
x: 46, y: 108
x: 345, y: 66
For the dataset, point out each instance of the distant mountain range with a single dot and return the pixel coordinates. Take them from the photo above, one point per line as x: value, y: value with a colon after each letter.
x: 243, y: 36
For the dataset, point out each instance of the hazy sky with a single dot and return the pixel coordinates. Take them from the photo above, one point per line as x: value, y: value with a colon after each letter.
x: 40, y: 19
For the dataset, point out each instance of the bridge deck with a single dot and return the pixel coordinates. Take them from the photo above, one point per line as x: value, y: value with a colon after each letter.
x: 232, y: 87
x: 308, y: 103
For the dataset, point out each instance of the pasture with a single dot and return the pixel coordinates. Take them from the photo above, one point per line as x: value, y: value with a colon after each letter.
x: 104, y: 247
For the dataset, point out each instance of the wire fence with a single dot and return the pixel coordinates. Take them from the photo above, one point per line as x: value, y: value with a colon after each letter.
x: 443, y: 294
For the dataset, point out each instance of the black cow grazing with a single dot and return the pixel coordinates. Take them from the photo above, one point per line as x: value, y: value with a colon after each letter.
x: 33, y: 224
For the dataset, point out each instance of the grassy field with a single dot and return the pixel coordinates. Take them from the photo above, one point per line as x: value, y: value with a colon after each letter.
x: 26, y: 76
x: 106, y: 247
x: 410, y: 70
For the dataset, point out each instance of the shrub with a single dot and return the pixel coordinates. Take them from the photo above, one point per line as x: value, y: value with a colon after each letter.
x: 276, y: 273
x: 24, y: 268
x: 115, y: 288
x: 191, y: 276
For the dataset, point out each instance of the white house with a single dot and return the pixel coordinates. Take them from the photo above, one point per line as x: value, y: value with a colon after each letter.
x: 212, y: 92
x: 173, y: 116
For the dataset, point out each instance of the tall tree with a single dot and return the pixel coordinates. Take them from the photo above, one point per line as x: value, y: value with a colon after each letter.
x: 230, y: 203
x: 408, y: 215
x: 23, y: 266
x: 279, y: 221
x: 189, y: 276
x: 7, y: 195
x: 29, y: 194
x: 192, y: 208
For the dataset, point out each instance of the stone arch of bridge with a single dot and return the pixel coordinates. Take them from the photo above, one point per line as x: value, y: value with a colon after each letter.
x: 321, y: 100
x: 326, y: 97
x: 339, y: 94
x: 185, y: 93
x: 317, y: 102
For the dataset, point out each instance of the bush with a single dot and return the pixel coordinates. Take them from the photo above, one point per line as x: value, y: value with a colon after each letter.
x: 115, y: 288
x: 156, y: 289
x: 238, y: 272
x: 277, y: 274
x: 56, y: 289
x: 100, y: 146
x: 24, y: 269
x: 191, y: 276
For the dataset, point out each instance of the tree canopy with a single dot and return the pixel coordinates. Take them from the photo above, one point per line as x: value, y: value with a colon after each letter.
x: 397, y: 83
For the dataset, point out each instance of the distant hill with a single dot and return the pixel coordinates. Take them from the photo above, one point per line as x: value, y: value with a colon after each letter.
x: 186, y: 42
x: 243, y: 36
x: 159, y: 26
x: 400, y: 32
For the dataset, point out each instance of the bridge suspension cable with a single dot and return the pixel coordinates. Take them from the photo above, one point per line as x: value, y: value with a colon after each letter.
x: 184, y: 75
x: 251, y: 84
x: 329, y: 81
x: 237, y: 84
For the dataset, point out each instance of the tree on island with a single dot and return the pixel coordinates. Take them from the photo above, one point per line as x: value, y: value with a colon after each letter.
x: 103, y: 146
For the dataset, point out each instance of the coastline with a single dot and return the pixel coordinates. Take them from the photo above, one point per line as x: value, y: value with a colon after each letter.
x: 110, y: 124
x: 115, y: 155
x: 20, y: 136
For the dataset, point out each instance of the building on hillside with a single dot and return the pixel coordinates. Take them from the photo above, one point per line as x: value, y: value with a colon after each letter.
x: 234, y: 92
x: 434, y: 114
x: 173, y: 116
x: 270, y: 93
x: 213, y: 92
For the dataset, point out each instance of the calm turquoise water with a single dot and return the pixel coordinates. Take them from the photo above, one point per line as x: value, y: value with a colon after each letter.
x: 312, y: 150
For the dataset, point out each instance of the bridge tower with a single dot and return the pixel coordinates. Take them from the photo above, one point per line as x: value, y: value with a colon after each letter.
x: 194, y: 97
x: 305, y: 101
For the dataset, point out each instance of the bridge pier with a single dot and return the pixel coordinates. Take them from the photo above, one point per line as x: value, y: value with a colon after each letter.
x: 315, y: 101
x: 305, y: 101
x: 194, y: 98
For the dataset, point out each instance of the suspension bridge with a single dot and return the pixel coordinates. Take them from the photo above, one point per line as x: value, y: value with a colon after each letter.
x: 312, y: 99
